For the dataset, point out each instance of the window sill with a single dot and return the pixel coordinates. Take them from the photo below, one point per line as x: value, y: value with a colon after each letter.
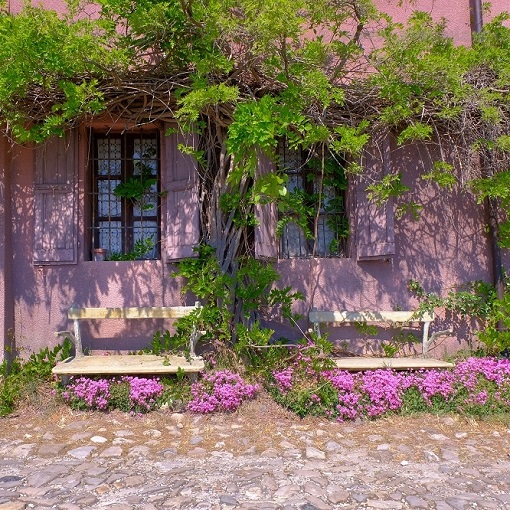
x: 120, y: 261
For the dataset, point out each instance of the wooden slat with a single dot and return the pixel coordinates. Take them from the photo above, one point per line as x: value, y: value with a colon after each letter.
x: 128, y: 364
x: 162, y: 312
x: 350, y: 316
x: 356, y: 364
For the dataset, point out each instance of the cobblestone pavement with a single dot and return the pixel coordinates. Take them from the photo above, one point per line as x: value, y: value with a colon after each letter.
x: 258, y: 458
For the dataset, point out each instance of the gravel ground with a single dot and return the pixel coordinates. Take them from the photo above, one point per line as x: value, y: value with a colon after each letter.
x: 260, y: 457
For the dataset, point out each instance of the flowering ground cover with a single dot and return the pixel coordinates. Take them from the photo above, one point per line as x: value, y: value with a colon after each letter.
x: 220, y: 391
x: 476, y: 386
x: 130, y: 394
x: 311, y: 385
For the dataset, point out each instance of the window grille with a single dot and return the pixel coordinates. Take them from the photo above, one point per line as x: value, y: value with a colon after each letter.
x: 321, y: 231
x: 126, y: 194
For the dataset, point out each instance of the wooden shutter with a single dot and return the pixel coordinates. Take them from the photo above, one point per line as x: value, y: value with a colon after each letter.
x: 266, y: 243
x: 375, y: 234
x: 183, y: 208
x: 55, y: 230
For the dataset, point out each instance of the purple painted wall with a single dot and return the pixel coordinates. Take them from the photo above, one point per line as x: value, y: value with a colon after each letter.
x: 446, y: 248
x: 41, y: 294
x: 6, y: 280
x: 456, y: 12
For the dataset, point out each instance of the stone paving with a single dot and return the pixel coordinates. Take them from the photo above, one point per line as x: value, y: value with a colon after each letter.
x: 77, y: 461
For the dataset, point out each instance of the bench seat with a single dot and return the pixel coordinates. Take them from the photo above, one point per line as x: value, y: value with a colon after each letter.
x: 358, y: 364
x: 387, y: 318
x: 128, y: 364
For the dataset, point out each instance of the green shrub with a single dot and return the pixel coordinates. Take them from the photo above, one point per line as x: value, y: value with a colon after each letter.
x: 20, y: 378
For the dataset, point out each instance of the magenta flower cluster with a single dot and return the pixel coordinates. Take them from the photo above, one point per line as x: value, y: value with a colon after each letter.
x: 283, y: 379
x: 127, y: 393
x: 220, y: 391
x: 143, y: 392
x: 476, y: 385
x: 88, y: 393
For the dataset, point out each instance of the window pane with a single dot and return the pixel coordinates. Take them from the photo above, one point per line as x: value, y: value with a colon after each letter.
x: 293, y: 242
x: 295, y: 182
x: 129, y: 160
x: 320, y: 205
x: 110, y: 236
x: 290, y: 159
x: 109, y: 154
x: 328, y: 195
x: 145, y: 231
x: 144, y: 156
x: 147, y: 205
x: 108, y: 204
x: 325, y: 237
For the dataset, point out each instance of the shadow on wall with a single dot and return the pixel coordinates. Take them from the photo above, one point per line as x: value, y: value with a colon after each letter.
x: 444, y: 248
x: 52, y: 290
x: 447, y: 245
x: 43, y: 293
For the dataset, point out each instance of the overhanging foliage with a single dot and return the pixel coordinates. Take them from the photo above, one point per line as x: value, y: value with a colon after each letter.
x: 246, y: 73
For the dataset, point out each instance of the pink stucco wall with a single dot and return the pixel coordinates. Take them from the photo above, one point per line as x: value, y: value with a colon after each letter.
x: 6, y: 303
x: 456, y: 12
x: 42, y: 294
x: 446, y: 248
x: 55, y: 5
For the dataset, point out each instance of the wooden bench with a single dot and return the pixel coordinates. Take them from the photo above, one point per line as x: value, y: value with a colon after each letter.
x: 390, y: 318
x: 128, y: 364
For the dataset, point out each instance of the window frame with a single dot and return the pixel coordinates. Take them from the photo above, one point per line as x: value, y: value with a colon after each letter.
x: 127, y: 217
x: 307, y: 246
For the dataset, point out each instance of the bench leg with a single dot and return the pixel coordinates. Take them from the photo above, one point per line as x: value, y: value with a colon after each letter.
x: 426, y: 341
x: 434, y: 337
x: 77, y: 337
x: 193, y: 339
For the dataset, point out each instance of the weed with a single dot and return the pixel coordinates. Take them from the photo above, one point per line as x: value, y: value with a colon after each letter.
x: 21, y: 378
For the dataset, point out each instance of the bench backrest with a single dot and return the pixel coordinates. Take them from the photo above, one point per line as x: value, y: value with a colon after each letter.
x: 316, y: 316
x: 159, y: 312
x: 162, y: 312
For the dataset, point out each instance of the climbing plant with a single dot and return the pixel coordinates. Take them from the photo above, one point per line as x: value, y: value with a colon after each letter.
x: 245, y: 73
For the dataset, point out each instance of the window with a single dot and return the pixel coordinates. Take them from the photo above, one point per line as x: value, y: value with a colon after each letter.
x: 126, y: 194
x: 314, y: 222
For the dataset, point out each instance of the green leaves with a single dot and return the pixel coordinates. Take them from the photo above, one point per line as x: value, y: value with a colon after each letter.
x: 269, y: 187
x: 134, y: 188
x: 351, y: 139
x: 390, y: 186
x: 259, y: 71
x: 415, y: 132
x: 40, y: 50
x: 196, y: 102
x: 255, y: 124
x: 497, y: 186
x: 442, y: 174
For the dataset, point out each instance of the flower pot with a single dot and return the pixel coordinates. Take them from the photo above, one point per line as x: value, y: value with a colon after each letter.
x: 99, y: 254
